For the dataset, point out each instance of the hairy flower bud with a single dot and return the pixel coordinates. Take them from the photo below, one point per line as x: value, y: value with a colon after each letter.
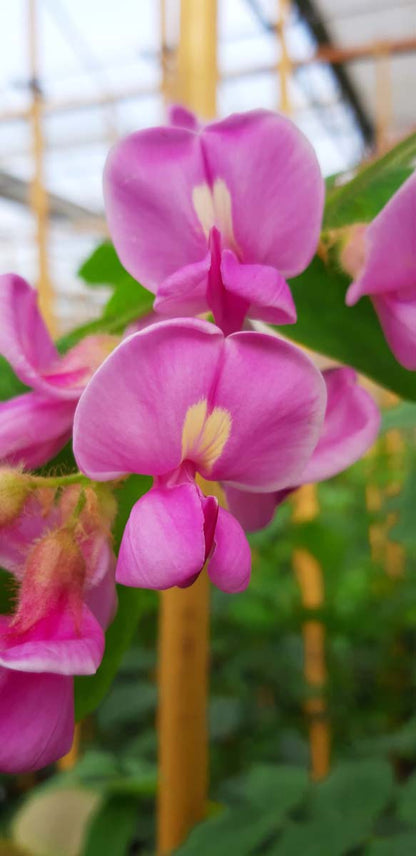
x: 14, y: 489
x: 55, y: 569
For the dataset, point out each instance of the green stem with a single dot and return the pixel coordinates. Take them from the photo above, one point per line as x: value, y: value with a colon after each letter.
x: 61, y: 481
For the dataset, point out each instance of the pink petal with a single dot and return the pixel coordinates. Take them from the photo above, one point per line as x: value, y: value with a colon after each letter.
x: 276, y: 187
x: 351, y: 424
x: 24, y: 339
x: 252, y: 510
x: 58, y: 643
x: 36, y: 720
x: 148, y: 183
x: 267, y: 293
x: 33, y: 428
x: 101, y: 598
x: 180, y: 117
x: 390, y: 263
x: 276, y: 400
x: 163, y: 543
x: 397, y: 314
x: 185, y: 291
x: 131, y: 416
x: 229, y: 565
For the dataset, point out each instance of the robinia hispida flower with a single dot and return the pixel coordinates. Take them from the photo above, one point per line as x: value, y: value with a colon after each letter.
x: 57, y: 547
x: 217, y: 217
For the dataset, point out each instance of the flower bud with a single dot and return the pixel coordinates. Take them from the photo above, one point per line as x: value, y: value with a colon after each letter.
x: 15, y: 487
x: 55, y: 569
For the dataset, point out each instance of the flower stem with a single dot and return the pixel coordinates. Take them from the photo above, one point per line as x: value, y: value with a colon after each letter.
x: 60, y: 481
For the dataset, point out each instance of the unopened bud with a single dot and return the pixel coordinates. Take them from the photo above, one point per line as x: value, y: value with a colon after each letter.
x: 15, y: 487
x: 55, y: 568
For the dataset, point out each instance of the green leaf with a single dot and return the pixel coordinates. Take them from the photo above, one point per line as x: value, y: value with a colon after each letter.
x: 269, y: 793
x: 113, y: 828
x: 132, y: 702
x: 351, y: 335
x: 239, y: 831
x: 356, y: 790
x: 103, y: 267
x: 280, y: 786
x: 7, y: 592
x: 342, y: 811
x: 399, y: 845
x: 324, y: 836
x: 10, y: 385
x: 361, y: 199
x: 407, y: 802
x: 132, y: 603
x: 403, y: 416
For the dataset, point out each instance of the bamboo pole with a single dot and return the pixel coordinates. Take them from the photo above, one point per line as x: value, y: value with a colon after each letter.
x: 183, y: 688
x: 285, y: 64
x: 184, y: 613
x: 310, y: 579
x: 38, y: 195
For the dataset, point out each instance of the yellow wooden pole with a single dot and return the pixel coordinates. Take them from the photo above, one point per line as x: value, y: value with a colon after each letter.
x: 38, y: 196
x: 197, y: 57
x: 184, y: 613
x: 310, y: 579
x: 285, y: 64
x: 183, y: 688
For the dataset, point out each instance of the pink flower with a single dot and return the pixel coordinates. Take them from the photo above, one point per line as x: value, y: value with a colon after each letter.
x: 351, y: 424
x: 216, y: 217
x: 35, y: 425
x: 246, y: 410
x: 63, y: 564
x: 383, y: 257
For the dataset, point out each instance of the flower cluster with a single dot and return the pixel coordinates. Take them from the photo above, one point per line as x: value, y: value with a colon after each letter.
x: 56, y: 545
x: 212, y: 219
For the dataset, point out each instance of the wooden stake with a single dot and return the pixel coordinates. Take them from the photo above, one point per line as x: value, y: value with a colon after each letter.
x: 184, y: 613
x: 38, y: 196
x: 310, y: 579
x: 285, y: 65
x: 182, y: 723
